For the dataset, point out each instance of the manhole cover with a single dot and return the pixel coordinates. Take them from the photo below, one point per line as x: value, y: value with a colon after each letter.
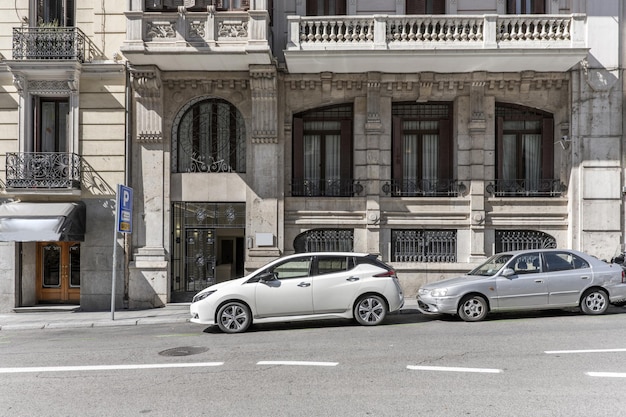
x: 184, y: 351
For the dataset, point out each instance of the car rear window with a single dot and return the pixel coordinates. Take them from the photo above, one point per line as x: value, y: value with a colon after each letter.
x: 372, y: 260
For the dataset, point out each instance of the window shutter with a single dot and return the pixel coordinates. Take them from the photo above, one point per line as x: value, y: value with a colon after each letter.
x: 510, y: 6
x: 345, y: 169
x: 69, y: 13
x: 445, y: 150
x: 340, y: 7
x: 500, y: 145
x: 538, y: 7
x: 547, y: 149
x: 311, y: 8
x: 415, y: 6
x: 297, y: 160
x: 439, y: 6
x: 396, y: 144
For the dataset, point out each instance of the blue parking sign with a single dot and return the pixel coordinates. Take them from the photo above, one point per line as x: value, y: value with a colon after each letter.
x: 124, y: 212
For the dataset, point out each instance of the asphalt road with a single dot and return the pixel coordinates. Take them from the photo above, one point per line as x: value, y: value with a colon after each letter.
x: 538, y: 364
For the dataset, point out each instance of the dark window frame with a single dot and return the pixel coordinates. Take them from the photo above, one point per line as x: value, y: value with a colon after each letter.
x: 425, y: 6
x: 326, y: 7
x: 525, y: 7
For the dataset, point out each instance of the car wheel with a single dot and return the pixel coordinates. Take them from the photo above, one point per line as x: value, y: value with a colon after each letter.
x: 473, y: 308
x: 595, y: 301
x: 234, y: 317
x: 370, y: 310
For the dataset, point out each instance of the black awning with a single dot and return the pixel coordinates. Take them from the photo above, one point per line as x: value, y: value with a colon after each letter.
x: 42, y: 222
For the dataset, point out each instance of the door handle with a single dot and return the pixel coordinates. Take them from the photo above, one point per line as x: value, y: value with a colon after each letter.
x: 352, y: 279
x: 584, y: 277
x: 539, y: 281
x: 304, y: 284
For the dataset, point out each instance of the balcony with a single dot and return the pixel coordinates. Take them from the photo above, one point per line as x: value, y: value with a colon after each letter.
x: 526, y: 188
x: 424, y: 188
x: 43, y: 171
x: 48, y: 43
x: 326, y: 188
x: 199, y: 41
x: 437, y: 43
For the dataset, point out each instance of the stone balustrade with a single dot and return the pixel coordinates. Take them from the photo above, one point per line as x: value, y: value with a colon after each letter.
x: 441, y: 31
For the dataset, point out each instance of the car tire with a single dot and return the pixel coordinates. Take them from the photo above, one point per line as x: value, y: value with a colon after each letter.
x: 234, y: 317
x: 473, y: 308
x: 594, y: 301
x: 370, y: 310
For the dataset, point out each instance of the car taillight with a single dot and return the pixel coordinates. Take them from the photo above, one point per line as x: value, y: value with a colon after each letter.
x: 390, y: 273
x: 623, y: 277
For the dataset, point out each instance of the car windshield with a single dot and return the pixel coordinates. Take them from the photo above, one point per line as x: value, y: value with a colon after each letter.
x: 491, y: 266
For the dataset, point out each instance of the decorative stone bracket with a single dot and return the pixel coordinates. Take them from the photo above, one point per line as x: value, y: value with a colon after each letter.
x: 264, y: 104
x: 146, y: 82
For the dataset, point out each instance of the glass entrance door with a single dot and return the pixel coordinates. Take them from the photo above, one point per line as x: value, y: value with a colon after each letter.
x: 200, y: 258
x: 58, y: 272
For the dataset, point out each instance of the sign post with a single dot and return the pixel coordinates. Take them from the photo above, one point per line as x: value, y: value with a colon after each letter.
x: 123, y: 224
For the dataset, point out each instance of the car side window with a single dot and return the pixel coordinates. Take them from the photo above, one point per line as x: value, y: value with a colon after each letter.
x: 527, y: 264
x: 331, y: 264
x: 563, y: 261
x: 294, y: 268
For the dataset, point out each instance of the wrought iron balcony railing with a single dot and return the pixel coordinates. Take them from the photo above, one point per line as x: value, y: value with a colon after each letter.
x: 526, y: 188
x: 52, y: 43
x: 43, y: 170
x: 423, y: 188
x: 326, y: 188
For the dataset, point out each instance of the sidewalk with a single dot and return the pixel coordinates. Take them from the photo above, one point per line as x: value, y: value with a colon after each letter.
x: 43, y: 317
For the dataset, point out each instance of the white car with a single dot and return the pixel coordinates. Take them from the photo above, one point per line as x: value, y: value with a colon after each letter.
x: 528, y: 280
x: 304, y: 286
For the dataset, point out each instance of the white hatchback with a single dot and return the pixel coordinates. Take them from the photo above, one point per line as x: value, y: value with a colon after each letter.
x: 304, y: 286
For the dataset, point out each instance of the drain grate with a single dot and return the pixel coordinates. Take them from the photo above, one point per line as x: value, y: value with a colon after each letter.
x: 184, y: 351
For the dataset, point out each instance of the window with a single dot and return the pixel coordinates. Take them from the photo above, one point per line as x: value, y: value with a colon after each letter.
x: 52, y: 124
x: 55, y: 12
x: 525, y: 7
x: 325, y: 7
x: 563, y: 261
x: 196, y: 5
x: 525, y: 148
x: 333, y: 264
x: 510, y: 240
x: 324, y: 240
x: 210, y: 137
x: 322, y: 153
x: 296, y: 268
x: 423, y: 245
x: 422, y: 149
x: 527, y: 264
x: 425, y: 6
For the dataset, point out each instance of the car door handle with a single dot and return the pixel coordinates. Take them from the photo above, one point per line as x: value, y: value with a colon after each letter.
x: 539, y: 281
x: 584, y: 277
x: 352, y: 279
x: 304, y: 284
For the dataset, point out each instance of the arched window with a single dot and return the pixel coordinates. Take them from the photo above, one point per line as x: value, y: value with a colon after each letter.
x: 209, y: 135
x: 510, y: 240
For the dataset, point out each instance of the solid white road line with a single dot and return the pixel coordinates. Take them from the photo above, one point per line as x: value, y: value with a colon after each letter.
x: 297, y: 363
x: 454, y: 369
x: 607, y: 374
x: 106, y: 367
x: 552, y: 352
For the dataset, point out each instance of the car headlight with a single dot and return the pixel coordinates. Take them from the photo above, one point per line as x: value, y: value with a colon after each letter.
x: 201, y: 296
x: 439, y: 292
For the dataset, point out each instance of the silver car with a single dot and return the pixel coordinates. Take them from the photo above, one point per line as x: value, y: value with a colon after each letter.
x: 302, y: 287
x: 528, y: 280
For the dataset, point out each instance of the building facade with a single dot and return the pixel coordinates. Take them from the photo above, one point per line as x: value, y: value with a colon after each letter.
x: 63, y: 145
x: 431, y: 132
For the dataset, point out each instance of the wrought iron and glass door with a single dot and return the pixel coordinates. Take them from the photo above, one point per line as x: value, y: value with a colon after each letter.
x: 58, y: 272
x: 199, y: 259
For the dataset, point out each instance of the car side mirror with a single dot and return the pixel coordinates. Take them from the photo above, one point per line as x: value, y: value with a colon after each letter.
x: 267, y: 277
x: 507, y: 272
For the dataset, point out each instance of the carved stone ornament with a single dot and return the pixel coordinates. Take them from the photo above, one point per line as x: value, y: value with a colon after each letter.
x: 146, y: 83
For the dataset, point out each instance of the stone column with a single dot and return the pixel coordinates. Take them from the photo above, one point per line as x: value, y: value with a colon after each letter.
x: 373, y: 130
x: 265, y: 169
x: 477, y: 130
x: 148, y: 284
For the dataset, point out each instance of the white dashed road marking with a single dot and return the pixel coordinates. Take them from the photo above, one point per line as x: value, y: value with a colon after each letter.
x: 106, y: 367
x: 607, y: 374
x: 454, y: 369
x: 553, y: 352
x: 297, y: 363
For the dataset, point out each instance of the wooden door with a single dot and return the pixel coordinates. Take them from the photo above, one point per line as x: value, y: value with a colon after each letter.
x: 58, y: 272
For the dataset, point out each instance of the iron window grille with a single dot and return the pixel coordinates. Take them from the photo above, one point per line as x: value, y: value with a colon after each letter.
x: 424, y: 245
x: 325, y: 240
x: 511, y: 240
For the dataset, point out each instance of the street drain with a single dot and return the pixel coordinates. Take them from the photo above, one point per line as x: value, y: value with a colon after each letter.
x: 184, y: 351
